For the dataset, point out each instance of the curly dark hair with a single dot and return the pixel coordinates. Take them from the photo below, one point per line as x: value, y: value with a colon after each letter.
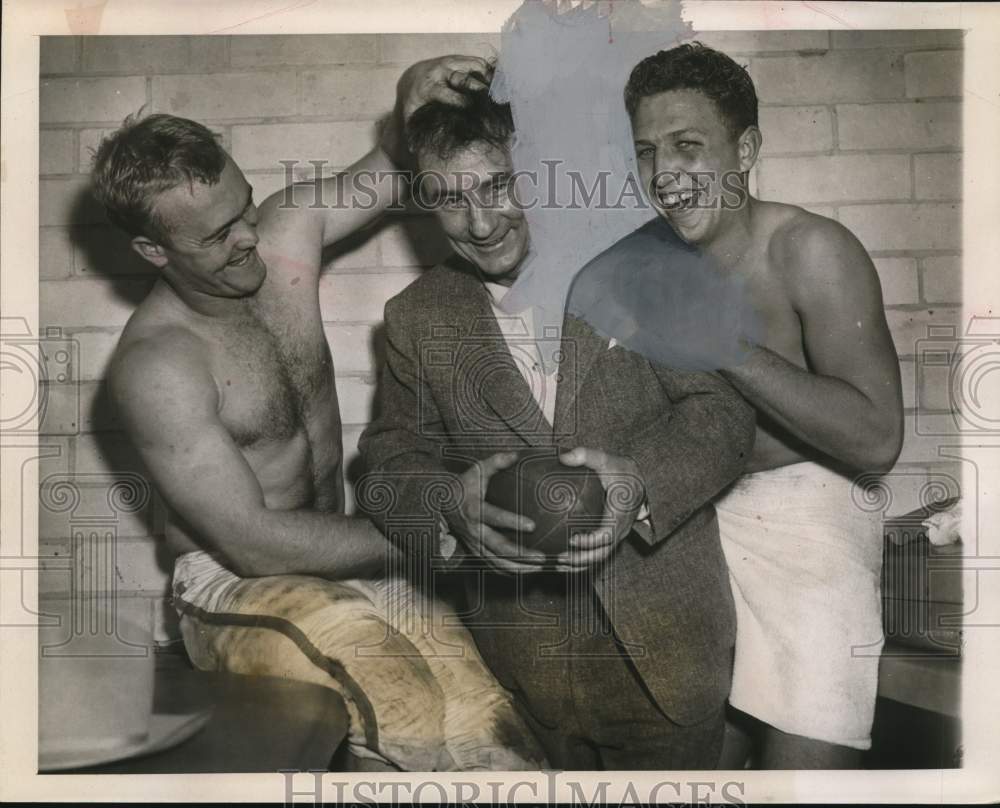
x: 444, y: 129
x: 145, y: 157
x: 694, y: 66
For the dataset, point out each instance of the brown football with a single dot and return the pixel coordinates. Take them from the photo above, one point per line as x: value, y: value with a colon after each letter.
x: 560, y: 500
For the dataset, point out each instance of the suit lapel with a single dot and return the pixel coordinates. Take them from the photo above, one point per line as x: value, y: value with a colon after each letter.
x: 581, y: 347
x: 486, y: 355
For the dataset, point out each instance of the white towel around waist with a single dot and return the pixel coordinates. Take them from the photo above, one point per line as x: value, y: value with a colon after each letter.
x: 804, y: 549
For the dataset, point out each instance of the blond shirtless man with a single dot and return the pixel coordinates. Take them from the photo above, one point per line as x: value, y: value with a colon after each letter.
x: 224, y: 382
x: 823, y: 375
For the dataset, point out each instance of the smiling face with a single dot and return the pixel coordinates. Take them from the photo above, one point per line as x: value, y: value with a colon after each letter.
x: 687, y: 155
x: 211, y: 237
x: 472, y: 199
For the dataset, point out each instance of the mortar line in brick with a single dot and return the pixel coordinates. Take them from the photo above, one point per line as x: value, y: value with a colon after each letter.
x: 93, y: 329
x: 945, y: 200
x: 787, y: 154
x: 868, y: 203
x: 935, y: 48
x: 791, y: 104
x: 837, y: 203
x: 916, y: 464
x: 920, y: 280
x: 72, y: 177
x: 77, y: 54
x: 938, y: 254
x: 899, y: 101
x: 916, y: 254
x: 760, y: 57
x: 928, y: 411
x: 378, y: 252
x: 917, y: 307
x: 81, y: 125
x: 308, y: 66
x: 124, y: 74
x: 906, y: 49
x: 290, y: 119
x: 105, y: 281
x: 369, y: 324
x: 915, y: 150
x: 71, y: 454
x: 299, y: 92
x: 353, y: 324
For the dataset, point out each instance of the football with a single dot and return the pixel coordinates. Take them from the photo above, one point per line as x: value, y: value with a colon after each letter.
x: 560, y: 500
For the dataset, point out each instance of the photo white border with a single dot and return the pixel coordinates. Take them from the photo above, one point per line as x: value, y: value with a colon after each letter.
x: 25, y: 20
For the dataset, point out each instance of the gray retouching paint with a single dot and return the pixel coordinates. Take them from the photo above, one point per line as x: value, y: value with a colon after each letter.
x: 563, y: 71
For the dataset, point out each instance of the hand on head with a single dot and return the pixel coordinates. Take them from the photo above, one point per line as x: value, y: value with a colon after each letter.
x: 444, y: 79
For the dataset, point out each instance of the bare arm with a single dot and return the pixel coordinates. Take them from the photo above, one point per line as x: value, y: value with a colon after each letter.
x: 849, y: 405
x: 169, y: 404
x: 331, y: 208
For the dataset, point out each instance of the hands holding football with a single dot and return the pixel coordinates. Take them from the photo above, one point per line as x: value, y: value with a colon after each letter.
x: 528, y: 509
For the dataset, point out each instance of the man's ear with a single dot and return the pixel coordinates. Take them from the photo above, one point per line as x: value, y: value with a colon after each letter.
x: 748, y: 147
x: 150, y: 250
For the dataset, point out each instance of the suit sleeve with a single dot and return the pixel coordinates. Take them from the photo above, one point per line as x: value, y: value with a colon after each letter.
x: 406, y: 485
x: 693, y: 451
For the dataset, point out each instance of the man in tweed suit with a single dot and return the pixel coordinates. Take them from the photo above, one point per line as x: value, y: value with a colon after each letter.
x: 619, y: 652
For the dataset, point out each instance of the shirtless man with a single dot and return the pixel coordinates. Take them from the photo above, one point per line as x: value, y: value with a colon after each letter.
x: 824, y: 378
x: 224, y: 382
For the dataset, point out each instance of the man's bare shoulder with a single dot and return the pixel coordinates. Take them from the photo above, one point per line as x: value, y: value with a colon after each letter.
x: 813, y: 252
x: 153, y: 359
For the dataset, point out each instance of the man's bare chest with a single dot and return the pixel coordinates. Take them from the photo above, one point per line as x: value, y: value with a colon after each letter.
x: 777, y: 323
x: 274, y: 374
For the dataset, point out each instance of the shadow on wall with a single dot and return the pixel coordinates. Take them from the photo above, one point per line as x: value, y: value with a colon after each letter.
x: 355, y: 469
x: 104, y: 251
x: 122, y: 460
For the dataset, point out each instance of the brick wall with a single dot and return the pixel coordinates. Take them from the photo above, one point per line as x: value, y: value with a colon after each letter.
x: 860, y: 126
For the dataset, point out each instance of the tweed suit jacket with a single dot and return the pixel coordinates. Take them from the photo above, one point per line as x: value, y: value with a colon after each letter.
x: 450, y: 385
